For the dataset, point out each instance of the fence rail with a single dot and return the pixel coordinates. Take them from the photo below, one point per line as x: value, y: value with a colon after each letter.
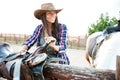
x: 67, y: 72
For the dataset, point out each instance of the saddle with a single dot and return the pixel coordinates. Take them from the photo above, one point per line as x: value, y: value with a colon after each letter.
x: 12, y: 66
x: 25, y: 67
x: 15, y: 66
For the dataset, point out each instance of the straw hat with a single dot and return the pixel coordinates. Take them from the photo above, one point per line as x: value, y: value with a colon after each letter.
x: 45, y: 7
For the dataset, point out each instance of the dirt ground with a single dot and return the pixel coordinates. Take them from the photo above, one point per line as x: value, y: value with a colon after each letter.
x: 77, y: 57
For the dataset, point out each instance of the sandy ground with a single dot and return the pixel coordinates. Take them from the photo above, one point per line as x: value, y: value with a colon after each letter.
x: 77, y: 57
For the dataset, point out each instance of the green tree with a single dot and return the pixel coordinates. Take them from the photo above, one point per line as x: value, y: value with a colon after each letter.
x: 101, y: 24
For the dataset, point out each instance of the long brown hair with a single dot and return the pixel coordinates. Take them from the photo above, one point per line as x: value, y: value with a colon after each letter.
x: 55, y: 27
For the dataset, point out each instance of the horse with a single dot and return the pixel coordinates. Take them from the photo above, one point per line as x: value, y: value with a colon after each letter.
x: 101, y: 53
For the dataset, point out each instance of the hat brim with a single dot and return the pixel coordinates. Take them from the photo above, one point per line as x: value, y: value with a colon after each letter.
x: 38, y: 13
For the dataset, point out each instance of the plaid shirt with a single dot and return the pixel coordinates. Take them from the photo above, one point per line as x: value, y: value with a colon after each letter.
x: 34, y: 38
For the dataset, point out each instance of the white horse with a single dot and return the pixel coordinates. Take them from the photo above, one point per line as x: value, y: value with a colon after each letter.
x: 106, y: 52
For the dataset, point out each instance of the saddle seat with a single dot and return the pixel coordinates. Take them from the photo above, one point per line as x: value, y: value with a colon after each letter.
x: 35, y: 60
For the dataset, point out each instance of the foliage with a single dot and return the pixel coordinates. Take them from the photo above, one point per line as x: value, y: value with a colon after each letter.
x: 101, y: 24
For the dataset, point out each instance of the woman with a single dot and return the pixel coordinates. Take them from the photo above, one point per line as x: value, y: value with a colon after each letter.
x: 48, y: 31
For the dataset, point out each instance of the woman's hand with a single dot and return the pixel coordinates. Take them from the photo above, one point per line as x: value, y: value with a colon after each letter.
x: 23, y: 49
x: 50, y: 40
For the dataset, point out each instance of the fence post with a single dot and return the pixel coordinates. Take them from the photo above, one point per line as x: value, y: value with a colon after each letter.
x: 5, y: 36
x: 118, y: 68
x: 79, y: 41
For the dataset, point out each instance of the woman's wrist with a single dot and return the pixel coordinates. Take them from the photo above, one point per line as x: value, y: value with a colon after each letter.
x: 56, y: 48
x: 24, y: 49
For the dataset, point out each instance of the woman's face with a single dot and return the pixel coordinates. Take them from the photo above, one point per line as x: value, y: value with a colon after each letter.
x: 51, y: 16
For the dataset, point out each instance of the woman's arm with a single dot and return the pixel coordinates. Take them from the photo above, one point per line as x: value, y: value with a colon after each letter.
x: 63, y: 37
x: 32, y: 39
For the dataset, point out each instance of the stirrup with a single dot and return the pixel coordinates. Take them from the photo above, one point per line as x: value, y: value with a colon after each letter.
x: 37, y: 59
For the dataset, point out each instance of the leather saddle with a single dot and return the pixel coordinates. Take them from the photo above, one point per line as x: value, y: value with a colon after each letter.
x: 14, y: 66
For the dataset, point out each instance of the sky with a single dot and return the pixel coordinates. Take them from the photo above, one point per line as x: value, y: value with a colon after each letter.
x: 17, y: 16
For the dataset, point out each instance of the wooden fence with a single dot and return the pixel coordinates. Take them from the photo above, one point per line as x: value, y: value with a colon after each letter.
x: 77, y: 41
x: 13, y: 38
x: 73, y: 41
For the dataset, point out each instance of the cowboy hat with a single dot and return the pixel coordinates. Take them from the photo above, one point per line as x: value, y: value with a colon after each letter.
x: 45, y: 7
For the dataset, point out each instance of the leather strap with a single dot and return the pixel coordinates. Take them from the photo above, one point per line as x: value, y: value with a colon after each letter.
x: 10, y: 57
x: 16, y: 75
